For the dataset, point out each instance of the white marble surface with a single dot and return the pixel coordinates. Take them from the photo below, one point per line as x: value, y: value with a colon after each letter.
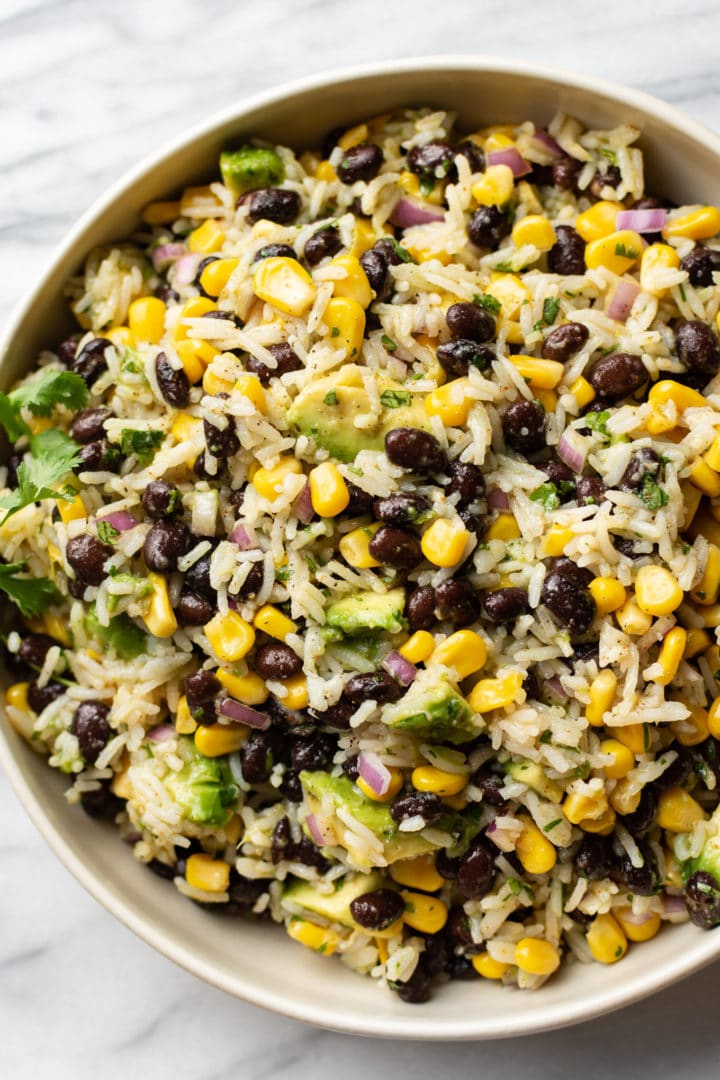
x: 86, y: 88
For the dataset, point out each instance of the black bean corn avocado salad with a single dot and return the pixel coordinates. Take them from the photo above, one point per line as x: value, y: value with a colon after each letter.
x: 362, y: 548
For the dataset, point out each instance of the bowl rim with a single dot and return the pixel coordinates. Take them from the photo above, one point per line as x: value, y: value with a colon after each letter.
x: 678, y: 965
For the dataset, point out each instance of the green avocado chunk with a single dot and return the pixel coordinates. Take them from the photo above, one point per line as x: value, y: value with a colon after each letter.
x: 328, y: 408
x: 204, y: 788
x: 249, y: 168
x: 368, y: 611
x: 532, y: 774
x: 122, y: 635
x: 433, y: 709
x: 333, y: 907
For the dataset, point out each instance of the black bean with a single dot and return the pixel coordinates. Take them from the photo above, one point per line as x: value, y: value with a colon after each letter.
x: 417, y: 450
x: 244, y: 892
x: 467, y: 481
x: 287, y: 360
x: 360, y: 501
x: 446, y: 865
x: 86, y: 555
x: 197, y: 282
x: 461, y: 967
x: 102, y: 804
x: 474, y: 522
x: 392, y: 252
x: 303, y: 850
x: 201, y: 470
x: 490, y: 784
x: 645, y: 463
x: 677, y: 771
x: 66, y: 349
x: 274, y: 251
x: 590, y: 490
x: 524, y: 426
x: 350, y: 768
x: 161, y: 500
x: 164, y: 544
x: 163, y: 870
x: 470, y: 322
x: 375, y: 265
x: 488, y: 226
x: 323, y: 244
x: 615, y: 376
x: 559, y: 474
x: 197, y: 578
x: 88, y: 424
x: 273, y: 204
x: 252, y: 582
x: 643, y: 817
x: 594, y: 858
x: 473, y: 154
x: 432, y: 161
x: 361, y: 162
x: 312, y: 750
x: 401, y: 509
x: 98, y: 456
x: 90, y: 362
x: 259, y: 753
x: 697, y: 348
x: 642, y: 880
x: 34, y: 648
x: 702, y: 899
x: 201, y: 687
x: 458, y: 929
x: 276, y: 660
x: 457, y: 601
x: 13, y: 464
x: 609, y: 179
x: 91, y: 728
x: 700, y: 263
x: 456, y: 357
x: 435, y: 954
x: 476, y: 872
x: 291, y: 787
x: 396, y: 547
x: 570, y: 604
x: 422, y: 804
x: 167, y: 294
x: 335, y: 716
x: 39, y: 697
x: 567, y: 256
x: 562, y: 343
x: 193, y: 610
x: 225, y: 316
x: 378, y: 909
x: 372, y: 686
x: 420, y: 608
x: 563, y: 565
x: 173, y: 383
x: 505, y: 605
x: 221, y: 442
x: 565, y: 172
x: 416, y: 990
x: 626, y: 546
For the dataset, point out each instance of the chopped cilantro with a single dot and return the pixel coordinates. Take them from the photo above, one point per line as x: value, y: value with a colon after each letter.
x: 427, y: 185
x: 330, y: 398
x: 682, y: 291
x: 547, y: 495
x: 393, y: 399
x: 143, y: 444
x: 551, y: 824
x: 545, y: 736
x: 652, y: 494
x: 609, y: 155
x: 402, y: 253
x: 335, y: 331
x: 388, y: 342
x: 53, y: 456
x: 551, y: 307
x: 626, y: 252
x: 597, y: 421
x: 107, y: 532
x: 505, y: 267
x: 30, y: 595
x: 490, y: 303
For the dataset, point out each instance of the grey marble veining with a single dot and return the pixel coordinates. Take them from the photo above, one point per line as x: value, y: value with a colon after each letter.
x: 87, y: 88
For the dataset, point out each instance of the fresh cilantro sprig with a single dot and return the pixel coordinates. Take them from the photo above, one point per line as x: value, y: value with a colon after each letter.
x: 393, y: 399
x: 597, y: 421
x: 490, y: 303
x: 31, y: 596
x: 40, y: 397
x: 143, y: 444
x: 652, y: 494
x: 551, y: 308
x: 53, y: 455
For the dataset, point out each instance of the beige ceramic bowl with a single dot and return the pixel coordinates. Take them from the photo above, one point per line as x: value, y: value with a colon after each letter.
x: 258, y: 962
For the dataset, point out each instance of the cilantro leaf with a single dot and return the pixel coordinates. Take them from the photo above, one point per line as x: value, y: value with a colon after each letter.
x: 546, y: 494
x: 490, y: 303
x: 107, y: 532
x: 626, y: 252
x: 31, y: 595
x: 402, y: 253
x: 652, y: 494
x: 609, y: 154
x: 393, y: 399
x: 388, y: 342
x: 51, y: 388
x: 143, y: 444
x: 13, y: 423
x: 551, y: 307
x: 53, y: 456
x: 330, y: 398
x: 597, y: 421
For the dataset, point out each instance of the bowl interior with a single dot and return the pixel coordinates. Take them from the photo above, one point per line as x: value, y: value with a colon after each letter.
x: 258, y: 962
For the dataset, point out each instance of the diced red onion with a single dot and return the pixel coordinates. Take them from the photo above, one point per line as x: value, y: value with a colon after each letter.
x: 161, y: 733
x: 555, y: 689
x: 186, y: 269
x: 642, y: 221
x: 243, y: 537
x: 319, y: 830
x: 233, y: 603
x: 503, y: 839
x: 243, y: 714
x: 546, y: 140
x: 165, y: 254
x: 512, y: 158
x: 498, y: 500
x: 673, y: 904
x: 374, y: 773
x: 303, y: 507
x: 622, y: 300
x: 400, y: 668
x: 120, y: 520
x: 573, y: 450
x: 407, y: 212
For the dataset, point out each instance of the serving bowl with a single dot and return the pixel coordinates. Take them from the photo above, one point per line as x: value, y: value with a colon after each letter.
x: 254, y: 961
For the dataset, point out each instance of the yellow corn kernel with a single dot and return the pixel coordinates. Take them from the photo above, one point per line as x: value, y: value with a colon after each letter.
x: 355, y: 547
x: 191, y: 362
x: 419, y: 873
x: 606, y: 939
x: 409, y: 182
x: 691, y: 497
x: 355, y: 284
x: 494, y: 187
x: 250, y: 688
x: 504, y: 527
x: 489, y: 968
x: 711, y: 615
x: 533, y: 849
x: 382, y: 948
x: 195, y: 197
x: 285, y: 284
x: 207, y: 238
x: 623, y: 759
x: 204, y: 872
x: 38, y: 424
x: 450, y: 402
x: 623, y: 799
x: 536, y: 957
x: 216, y: 740
x: 616, y: 252
x: 160, y: 617
x: 269, y: 482
x: 712, y: 455
x: 297, y: 695
x: 608, y: 594
x: 426, y: 914
x: 697, y: 641
x: 215, y: 384
x: 498, y: 139
x: 555, y: 541
x: 161, y: 213
x: 547, y: 398
x: 56, y: 628
x: 634, y: 736
x: 185, y: 724
x: 677, y: 810
x: 598, y: 221
x: 346, y: 319
x: 540, y: 374
x: 193, y: 309
x: 353, y: 136
x: 694, y: 729
x: 683, y: 397
x: 230, y: 637
x: 510, y: 291
x: 444, y: 543
x: 16, y: 695
x: 656, y: 257
x: 184, y: 426
x: 250, y: 387
x: 633, y: 931
x: 631, y: 619
x: 578, y: 807
x: 671, y: 654
x: 534, y: 229
x: 216, y: 275
x: 271, y: 621
x: 320, y: 939
x: 436, y: 781
x: 714, y: 719
x: 233, y: 830
x: 489, y: 694
x: 146, y: 318
x: 582, y: 391
x: 364, y: 236
x: 658, y: 423
x: 706, y: 592
x: 121, y: 336
x: 602, y: 694
x: 465, y: 651
x: 120, y: 784
x: 325, y: 172
x: 657, y: 590
x: 705, y: 478
x: 601, y: 826
x: 71, y: 510
x: 328, y: 491
x: 418, y: 647
x: 396, y: 782
x: 698, y: 224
